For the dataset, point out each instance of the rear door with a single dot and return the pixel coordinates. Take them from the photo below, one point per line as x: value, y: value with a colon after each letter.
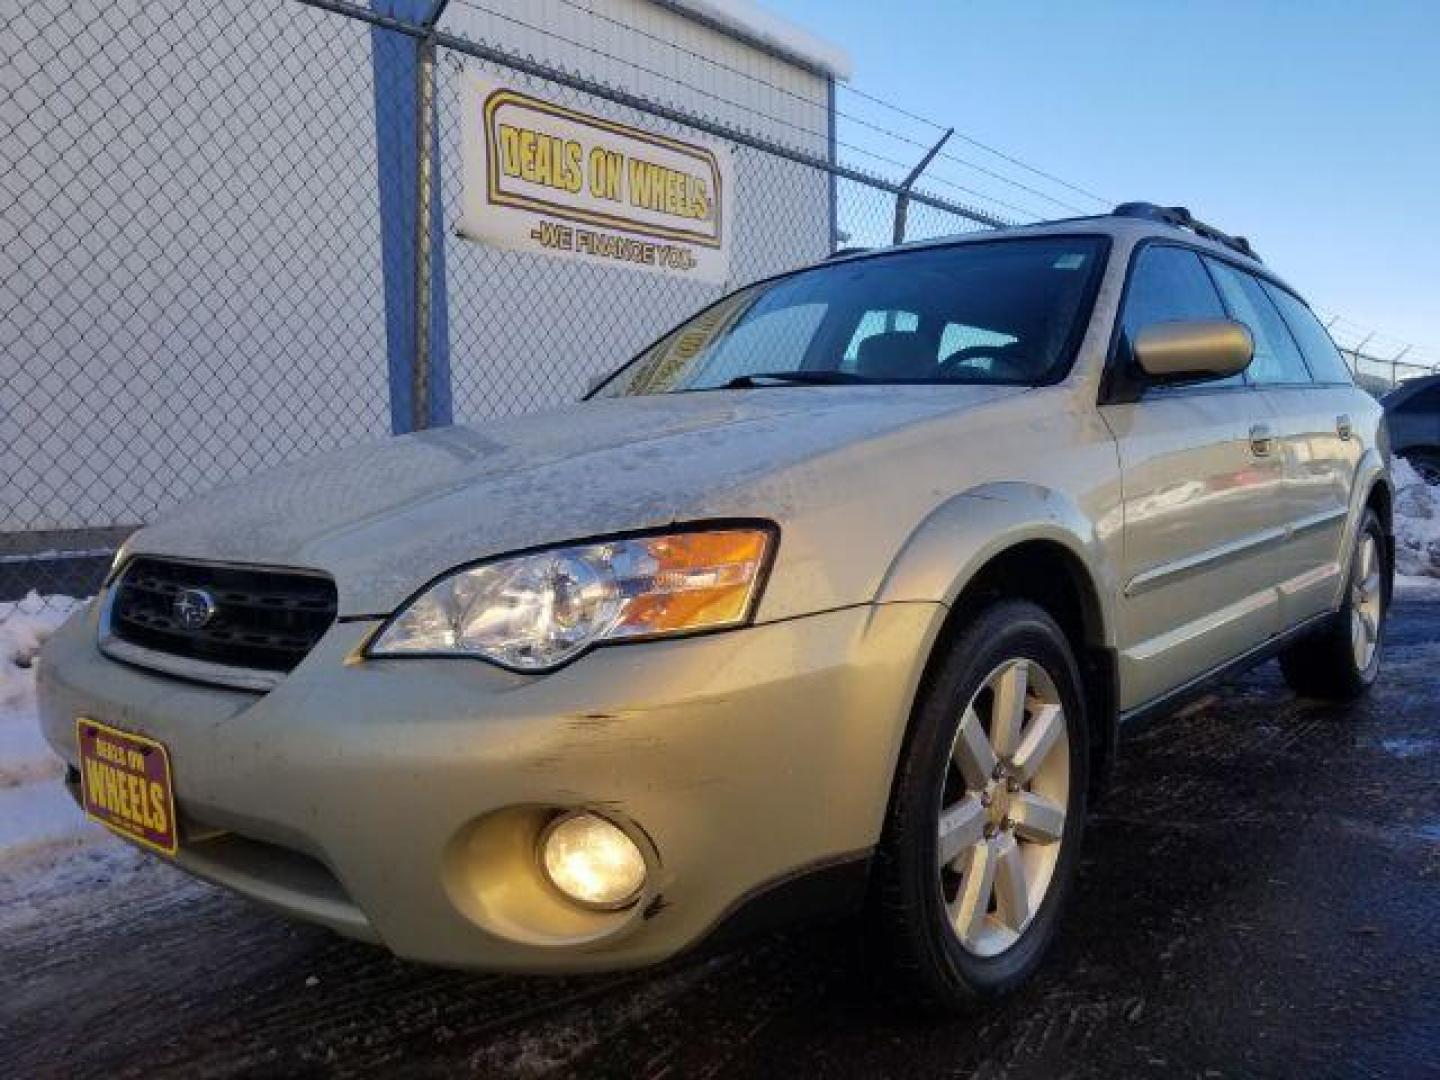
x: 1308, y: 420
x: 1325, y: 440
x: 1201, y: 488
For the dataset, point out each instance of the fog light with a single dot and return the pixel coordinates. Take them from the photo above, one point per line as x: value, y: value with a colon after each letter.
x: 592, y: 861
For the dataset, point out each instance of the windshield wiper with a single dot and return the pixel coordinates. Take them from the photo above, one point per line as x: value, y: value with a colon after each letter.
x: 793, y: 378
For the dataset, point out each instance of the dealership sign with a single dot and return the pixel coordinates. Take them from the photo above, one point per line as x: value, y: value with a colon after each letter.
x: 546, y: 179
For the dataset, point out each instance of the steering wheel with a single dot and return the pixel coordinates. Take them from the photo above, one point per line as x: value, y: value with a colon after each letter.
x: 1006, y: 362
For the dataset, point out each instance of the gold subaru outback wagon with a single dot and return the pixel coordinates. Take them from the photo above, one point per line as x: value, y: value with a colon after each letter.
x: 831, y: 601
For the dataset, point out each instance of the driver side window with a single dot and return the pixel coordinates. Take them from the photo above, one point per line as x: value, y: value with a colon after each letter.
x: 1169, y: 284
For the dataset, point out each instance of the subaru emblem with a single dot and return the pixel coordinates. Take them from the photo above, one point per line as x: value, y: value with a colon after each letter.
x: 193, y: 608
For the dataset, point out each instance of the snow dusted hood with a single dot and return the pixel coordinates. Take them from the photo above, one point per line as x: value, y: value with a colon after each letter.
x: 385, y: 518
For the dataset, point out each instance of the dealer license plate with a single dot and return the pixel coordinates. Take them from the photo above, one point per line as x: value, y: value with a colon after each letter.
x: 125, y: 784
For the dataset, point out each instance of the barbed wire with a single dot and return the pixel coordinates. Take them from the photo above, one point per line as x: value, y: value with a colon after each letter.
x: 1357, y: 334
x: 977, y: 144
x: 840, y: 114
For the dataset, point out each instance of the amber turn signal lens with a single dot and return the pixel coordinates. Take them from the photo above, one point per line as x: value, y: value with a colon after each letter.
x: 695, y: 581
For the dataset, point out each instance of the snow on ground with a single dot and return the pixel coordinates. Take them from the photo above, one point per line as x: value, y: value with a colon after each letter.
x: 1417, y: 533
x: 36, y: 814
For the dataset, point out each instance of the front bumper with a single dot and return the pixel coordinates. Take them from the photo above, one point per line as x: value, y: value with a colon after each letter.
x: 398, y: 800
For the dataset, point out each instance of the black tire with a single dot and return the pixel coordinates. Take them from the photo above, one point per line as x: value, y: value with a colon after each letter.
x: 1324, y: 665
x: 917, y: 945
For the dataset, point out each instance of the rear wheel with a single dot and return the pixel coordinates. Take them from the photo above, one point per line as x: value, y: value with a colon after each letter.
x: 1339, y: 662
x: 985, y: 821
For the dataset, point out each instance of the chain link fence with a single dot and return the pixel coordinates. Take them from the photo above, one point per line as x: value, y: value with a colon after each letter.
x: 188, y: 284
x: 204, y: 202
x: 1380, y: 375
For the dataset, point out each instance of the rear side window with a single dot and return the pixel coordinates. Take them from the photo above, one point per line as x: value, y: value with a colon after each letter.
x: 1326, y: 363
x: 1277, y: 357
x: 1169, y: 284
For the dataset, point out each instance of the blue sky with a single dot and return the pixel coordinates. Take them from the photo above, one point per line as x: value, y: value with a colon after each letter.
x: 1311, y: 127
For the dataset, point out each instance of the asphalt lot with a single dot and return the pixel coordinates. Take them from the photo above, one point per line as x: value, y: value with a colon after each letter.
x: 1260, y: 896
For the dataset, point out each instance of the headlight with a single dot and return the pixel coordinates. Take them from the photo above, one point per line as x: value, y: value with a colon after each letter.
x: 535, y: 612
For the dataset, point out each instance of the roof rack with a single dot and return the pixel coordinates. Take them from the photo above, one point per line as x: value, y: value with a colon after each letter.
x: 1181, y: 218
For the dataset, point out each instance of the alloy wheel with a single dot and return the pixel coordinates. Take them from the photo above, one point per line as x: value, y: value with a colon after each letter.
x: 1002, y: 807
x: 1365, y: 603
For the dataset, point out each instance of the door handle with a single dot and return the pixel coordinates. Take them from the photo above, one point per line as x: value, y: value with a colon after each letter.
x: 1262, y: 440
x: 1343, y: 427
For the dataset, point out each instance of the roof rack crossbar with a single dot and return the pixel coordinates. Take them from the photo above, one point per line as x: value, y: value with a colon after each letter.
x: 1181, y: 218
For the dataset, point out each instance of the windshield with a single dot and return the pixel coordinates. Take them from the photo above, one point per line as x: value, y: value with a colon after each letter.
x: 1007, y: 311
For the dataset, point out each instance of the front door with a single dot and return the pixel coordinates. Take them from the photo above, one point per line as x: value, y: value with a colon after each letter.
x: 1202, y: 476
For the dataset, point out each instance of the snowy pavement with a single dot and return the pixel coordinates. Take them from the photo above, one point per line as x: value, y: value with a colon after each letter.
x: 35, y: 812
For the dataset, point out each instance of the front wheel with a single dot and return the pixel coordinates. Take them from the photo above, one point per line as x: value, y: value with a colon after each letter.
x: 984, y: 828
x: 1339, y: 661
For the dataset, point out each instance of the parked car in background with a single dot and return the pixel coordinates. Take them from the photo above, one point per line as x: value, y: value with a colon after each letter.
x: 1412, y: 411
x: 831, y: 601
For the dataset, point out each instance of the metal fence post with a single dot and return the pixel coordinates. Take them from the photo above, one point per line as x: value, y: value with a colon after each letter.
x: 902, y: 197
x: 420, y: 376
x: 424, y: 181
x: 1395, y: 365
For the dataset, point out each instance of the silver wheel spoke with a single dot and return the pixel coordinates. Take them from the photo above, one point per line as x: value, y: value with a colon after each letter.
x: 1037, y: 818
x: 1012, y: 898
x: 1367, y: 558
x: 977, y: 885
x: 1008, y: 713
x: 1040, y: 739
x: 962, y: 826
x: 973, y: 752
x: 1366, y: 603
x: 1002, y: 835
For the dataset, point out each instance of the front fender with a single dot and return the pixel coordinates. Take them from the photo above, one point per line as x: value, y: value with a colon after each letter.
x: 957, y: 539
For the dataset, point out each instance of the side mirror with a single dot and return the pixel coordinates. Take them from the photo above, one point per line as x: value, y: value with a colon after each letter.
x: 1209, y: 349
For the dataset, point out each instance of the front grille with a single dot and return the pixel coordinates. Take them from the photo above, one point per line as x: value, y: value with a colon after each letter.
x: 250, y: 617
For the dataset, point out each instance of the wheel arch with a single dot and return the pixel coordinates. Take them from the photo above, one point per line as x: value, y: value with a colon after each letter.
x: 1373, y: 490
x: 1020, y: 541
x: 1381, y: 498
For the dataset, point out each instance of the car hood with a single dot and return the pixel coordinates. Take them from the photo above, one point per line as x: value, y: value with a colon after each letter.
x: 383, y: 519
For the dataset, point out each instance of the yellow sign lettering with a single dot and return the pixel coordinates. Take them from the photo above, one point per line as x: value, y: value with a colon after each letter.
x: 159, y: 821
x: 95, y: 781
x: 541, y: 158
